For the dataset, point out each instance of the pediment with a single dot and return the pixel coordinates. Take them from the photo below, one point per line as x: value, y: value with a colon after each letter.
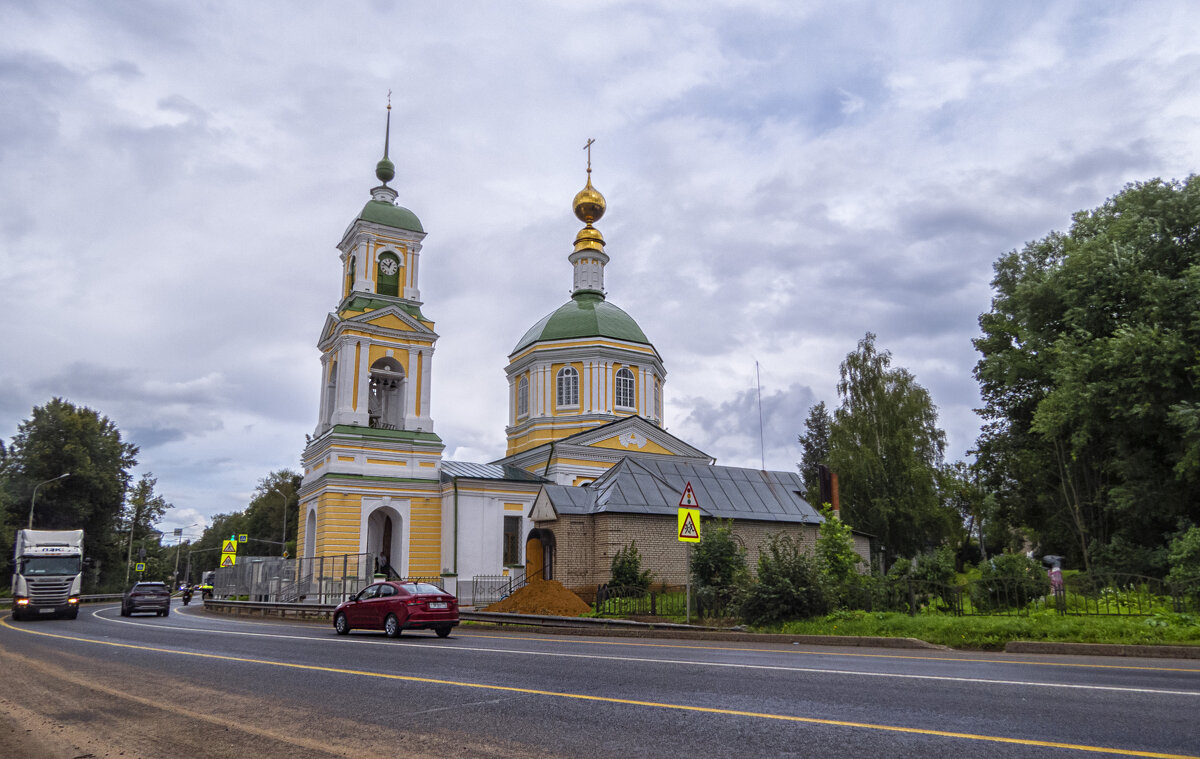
x: 543, y: 510
x: 389, y: 318
x: 635, y: 435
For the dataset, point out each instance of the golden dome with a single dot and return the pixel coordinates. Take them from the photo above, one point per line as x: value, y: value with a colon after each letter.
x: 589, y: 204
x: 589, y: 238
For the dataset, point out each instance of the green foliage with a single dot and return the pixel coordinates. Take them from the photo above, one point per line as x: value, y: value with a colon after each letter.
x: 627, y: 569
x: 262, y: 521
x: 61, y: 437
x: 992, y: 633
x: 1008, y: 581
x: 814, y: 447
x: 717, y: 560
x: 932, y: 569
x: 1184, y: 557
x: 887, y: 449
x: 1088, y: 375
x: 789, y: 584
x: 718, y: 569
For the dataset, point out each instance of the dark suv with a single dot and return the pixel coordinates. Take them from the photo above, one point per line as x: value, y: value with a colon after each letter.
x: 147, y: 596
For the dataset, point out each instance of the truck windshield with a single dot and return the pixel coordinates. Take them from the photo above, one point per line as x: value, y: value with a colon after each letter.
x: 50, y: 565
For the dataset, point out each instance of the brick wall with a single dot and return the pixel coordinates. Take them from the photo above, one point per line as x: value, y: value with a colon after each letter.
x: 586, y: 545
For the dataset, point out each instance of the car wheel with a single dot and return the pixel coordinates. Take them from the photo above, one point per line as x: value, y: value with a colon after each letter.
x: 341, y: 625
x: 124, y: 611
x: 391, y: 626
x: 443, y: 631
x: 166, y: 612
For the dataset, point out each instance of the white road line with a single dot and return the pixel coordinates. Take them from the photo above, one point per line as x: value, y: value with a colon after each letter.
x: 681, y: 662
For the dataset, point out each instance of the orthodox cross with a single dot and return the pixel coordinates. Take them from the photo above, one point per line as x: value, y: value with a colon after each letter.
x: 588, y: 148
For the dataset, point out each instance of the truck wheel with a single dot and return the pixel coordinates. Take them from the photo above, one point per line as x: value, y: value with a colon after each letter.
x: 16, y: 615
x: 73, y: 614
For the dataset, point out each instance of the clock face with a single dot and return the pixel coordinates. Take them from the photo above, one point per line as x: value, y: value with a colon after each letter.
x: 389, y: 266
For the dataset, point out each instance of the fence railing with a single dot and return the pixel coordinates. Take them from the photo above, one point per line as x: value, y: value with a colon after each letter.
x: 316, y: 579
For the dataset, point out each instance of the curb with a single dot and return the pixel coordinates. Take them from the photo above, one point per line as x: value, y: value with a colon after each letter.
x: 1103, y: 649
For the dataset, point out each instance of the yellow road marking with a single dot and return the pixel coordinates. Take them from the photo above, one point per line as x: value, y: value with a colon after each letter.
x: 625, y: 701
x: 572, y: 639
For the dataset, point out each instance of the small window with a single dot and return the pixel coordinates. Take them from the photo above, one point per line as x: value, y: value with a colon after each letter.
x: 568, y: 387
x: 512, y: 533
x: 625, y: 394
x: 523, y: 397
x: 387, y: 280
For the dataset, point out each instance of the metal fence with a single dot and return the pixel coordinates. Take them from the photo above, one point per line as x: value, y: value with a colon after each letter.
x: 316, y: 579
x: 1078, y: 595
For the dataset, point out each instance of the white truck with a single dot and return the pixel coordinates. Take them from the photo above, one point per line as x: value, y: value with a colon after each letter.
x: 47, y: 573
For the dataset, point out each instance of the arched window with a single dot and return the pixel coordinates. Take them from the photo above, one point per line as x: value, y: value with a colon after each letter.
x: 523, y: 397
x: 568, y: 387
x: 350, y: 275
x: 387, y: 279
x: 626, y: 395
x: 385, y: 399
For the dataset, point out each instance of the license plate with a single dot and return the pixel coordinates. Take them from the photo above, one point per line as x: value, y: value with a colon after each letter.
x: 51, y: 611
x: 437, y: 605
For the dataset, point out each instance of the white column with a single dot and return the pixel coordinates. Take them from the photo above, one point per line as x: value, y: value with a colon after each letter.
x: 411, y: 382
x: 362, y: 416
x: 585, y: 387
x: 362, y: 269
x: 323, y: 414
x: 425, y: 420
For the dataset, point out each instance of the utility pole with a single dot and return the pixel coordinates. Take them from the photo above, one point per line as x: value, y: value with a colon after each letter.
x: 33, y: 500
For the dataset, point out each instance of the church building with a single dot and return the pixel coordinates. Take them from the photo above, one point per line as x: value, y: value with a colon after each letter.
x: 588, y: 468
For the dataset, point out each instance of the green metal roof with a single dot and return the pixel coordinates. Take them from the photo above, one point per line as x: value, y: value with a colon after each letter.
x: 587, y: 314
x: 358, y: 302
x: 390, y: 216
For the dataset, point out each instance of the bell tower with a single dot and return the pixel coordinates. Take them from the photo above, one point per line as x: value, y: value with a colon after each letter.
x: 372, y: 465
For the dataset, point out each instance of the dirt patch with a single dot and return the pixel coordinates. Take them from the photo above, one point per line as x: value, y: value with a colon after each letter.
x: 547, y: 597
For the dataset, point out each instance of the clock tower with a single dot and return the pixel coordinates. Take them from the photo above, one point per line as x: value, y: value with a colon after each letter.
x: 372, y: 465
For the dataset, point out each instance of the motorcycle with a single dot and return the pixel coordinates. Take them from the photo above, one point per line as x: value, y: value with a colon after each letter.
x: 187, y: 596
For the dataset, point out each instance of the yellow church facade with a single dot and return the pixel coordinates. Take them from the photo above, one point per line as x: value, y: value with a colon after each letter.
x: 585, y: 394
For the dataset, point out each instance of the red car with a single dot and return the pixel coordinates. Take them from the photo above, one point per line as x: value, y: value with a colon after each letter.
x: 397, y: 606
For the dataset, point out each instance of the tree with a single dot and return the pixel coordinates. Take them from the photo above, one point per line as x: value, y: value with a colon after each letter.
x: 886, y: 447
x: 1089, y: 374
x: 61, y: 437
x: 143, y: 509
x: 262, y: 521
x: 814, y: 447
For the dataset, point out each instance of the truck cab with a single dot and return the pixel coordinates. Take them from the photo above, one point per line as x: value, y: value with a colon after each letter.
x: 47, y: 573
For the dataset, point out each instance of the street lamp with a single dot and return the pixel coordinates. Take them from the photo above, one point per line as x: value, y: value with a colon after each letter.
x: 33, y: 500
x: 283, y: 550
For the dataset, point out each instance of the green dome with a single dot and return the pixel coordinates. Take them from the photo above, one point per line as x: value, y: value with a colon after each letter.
x: 587, y: 314
x: 391, y: 216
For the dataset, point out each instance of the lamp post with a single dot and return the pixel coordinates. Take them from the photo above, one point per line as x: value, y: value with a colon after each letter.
x: 33, y: 501
x: 283, y: 550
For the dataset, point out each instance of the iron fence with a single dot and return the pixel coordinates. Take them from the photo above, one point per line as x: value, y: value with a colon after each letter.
x: 316, y: 579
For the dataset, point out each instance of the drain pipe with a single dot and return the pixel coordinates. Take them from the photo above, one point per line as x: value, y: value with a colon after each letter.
x: 456, y: 528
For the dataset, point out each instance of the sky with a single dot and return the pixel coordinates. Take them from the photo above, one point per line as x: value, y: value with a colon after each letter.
x: 781, y: 177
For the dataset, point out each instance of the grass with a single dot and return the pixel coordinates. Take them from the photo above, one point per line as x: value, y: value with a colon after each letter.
x: 992, y: 633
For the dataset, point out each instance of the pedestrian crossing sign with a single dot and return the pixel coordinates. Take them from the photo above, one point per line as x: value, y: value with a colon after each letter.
x: 689, y: 525
x: 228, y: 559
x: 230, y: 546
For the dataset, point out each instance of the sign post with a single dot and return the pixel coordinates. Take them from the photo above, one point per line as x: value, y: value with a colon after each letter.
x: 688, y: 533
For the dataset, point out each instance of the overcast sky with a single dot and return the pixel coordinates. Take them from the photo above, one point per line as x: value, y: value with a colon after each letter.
x: 781, y: 178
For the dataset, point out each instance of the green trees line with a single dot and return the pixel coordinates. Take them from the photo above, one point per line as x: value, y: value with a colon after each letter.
x: 1088, y: 370
x: 118, y: 514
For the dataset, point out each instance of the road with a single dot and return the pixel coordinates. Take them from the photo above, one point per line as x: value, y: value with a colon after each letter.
x: 200, y: 685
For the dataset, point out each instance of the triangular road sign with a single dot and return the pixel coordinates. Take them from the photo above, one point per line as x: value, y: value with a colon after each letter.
x: 228, y: 559
x: 230, y: 546
x: 689, y: 498
x: 688, y: 530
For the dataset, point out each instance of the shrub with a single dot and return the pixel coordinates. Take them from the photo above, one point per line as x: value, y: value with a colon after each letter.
x: 838, y: 561
x: 790, y: 585
x: 925, y: 579
x: 1010, y: 580
x: 717, y: 560
x: 627, y: 572
x: 1184, y: 557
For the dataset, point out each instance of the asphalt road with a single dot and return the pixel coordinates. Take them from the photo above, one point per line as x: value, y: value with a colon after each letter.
x: 195, y: 684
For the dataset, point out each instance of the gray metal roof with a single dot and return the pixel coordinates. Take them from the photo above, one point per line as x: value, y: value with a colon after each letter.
x: 466, y: 469
x: 654, y: 486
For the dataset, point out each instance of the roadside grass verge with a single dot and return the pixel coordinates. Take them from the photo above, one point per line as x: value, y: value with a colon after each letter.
x: 993, y: 632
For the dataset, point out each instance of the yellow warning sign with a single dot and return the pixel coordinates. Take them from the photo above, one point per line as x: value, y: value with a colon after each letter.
x: 689, y: 525
x: 229, y: 547
x: 689, y: 498
x: 228, y: 559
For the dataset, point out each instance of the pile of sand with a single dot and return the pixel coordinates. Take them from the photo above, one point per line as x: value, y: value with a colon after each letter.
x: 547, y: 597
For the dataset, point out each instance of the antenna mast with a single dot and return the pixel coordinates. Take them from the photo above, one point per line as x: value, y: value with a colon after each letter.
x: 762, y: 448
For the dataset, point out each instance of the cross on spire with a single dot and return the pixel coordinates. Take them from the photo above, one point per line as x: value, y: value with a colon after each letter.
x: 588, y: 148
